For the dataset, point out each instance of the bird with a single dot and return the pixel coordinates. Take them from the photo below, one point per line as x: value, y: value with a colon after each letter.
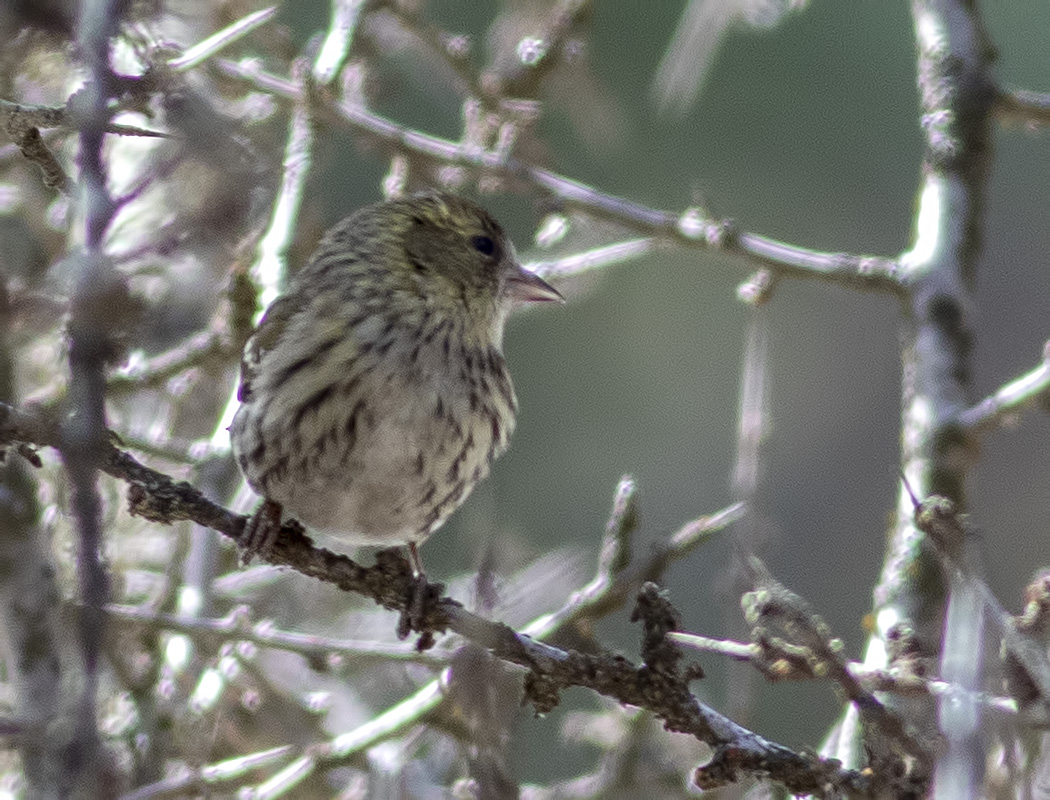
x: 374, y: 394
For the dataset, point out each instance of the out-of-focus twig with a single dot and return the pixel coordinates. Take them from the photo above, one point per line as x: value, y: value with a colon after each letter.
x: 1009, y: 399
x: 696, y: 39
x: 338, y: 42
x: 35, y: 646
x: 690, y: 228
x: 205, y: 49
x: 1032, y: 108
x: 208, y: 778
x: 939, y: 519
x: 238, y: 626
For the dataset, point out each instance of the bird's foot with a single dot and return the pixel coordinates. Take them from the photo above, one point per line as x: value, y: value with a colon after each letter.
x: 261, y: 531
x: 421, y: 597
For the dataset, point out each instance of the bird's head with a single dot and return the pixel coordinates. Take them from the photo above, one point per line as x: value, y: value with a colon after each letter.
x: 462, y: 259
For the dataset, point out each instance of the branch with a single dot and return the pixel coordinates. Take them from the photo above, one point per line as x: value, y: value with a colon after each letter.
x: 938, y: 518
x: 98, y: 295
x: 238, y: 625
x: 773, y: 603
x: 691, y: 228
x: 778, y: 663
x: 657, y: 684
x: 957, y: 92
x: 998, y: 408
x: 205, y: 49
x: 1032, y: 108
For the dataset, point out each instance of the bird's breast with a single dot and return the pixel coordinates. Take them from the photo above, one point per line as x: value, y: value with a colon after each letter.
x: 388, y: 450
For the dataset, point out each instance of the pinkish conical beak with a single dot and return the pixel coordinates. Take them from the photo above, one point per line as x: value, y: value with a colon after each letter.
x: 527, y: 287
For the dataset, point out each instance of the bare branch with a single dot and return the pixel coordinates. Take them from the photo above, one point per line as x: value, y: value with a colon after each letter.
x: 238, y: 626
x: 1000, y: 407
x: 211, y: 776
x: 656, y: 685
x: 1030, y: 108
x: 690, y: 228
x: 202, y: 51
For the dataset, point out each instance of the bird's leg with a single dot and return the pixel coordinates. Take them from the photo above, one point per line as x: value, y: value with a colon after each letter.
x: 416, y: 561
x: 415, y: 610
x: 261, y: 531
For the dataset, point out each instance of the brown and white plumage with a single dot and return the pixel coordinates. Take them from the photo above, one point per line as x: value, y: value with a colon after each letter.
x: 374, y: 393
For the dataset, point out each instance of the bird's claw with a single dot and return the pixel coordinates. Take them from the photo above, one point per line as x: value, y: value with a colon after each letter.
x: 261, y: 531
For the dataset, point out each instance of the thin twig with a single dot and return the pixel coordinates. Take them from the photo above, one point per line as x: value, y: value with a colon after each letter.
x: 205, y: 49
x: 871, y: 678
x: 690, y: 228
x: 1009, y: 399
x: 238, y: 626
x: 201, y: 350
x: 191, y: 781
x: 1032, y: 108
x: 19, y: 116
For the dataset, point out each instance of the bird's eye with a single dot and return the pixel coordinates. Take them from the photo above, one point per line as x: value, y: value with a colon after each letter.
x: 484, y: 245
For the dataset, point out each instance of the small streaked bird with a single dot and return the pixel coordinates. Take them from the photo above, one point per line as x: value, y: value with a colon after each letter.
x: 374, y: 393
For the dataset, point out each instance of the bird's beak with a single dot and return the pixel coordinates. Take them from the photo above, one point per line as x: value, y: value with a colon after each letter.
x: 528, y: 287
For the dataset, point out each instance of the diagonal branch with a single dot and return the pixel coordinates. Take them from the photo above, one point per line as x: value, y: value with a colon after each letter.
x: 691, y: 228
x: 1026, y: 390
x: 1029, y: 107
x: 657, y: 684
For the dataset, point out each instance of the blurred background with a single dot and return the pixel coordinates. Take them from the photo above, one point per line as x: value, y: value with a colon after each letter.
x: 806, y: 131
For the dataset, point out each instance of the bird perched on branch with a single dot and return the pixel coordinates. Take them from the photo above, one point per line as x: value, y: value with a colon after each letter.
x: 374, y: 393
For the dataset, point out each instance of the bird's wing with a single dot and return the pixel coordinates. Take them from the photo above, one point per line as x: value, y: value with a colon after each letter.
x: 266, y: 336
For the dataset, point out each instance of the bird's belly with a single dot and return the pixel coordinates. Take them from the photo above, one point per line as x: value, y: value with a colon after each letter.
x: 404, y: 472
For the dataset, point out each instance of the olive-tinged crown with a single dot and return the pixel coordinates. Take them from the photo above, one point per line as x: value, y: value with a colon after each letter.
x: 458, y: 244
x: 428, y: 251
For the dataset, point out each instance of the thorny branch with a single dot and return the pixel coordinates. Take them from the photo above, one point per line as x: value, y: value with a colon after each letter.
x: 22, y: 123
x: 97, y: 291
x: 658, y: 684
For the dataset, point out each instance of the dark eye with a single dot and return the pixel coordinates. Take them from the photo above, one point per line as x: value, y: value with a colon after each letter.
x: 484, y: 245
